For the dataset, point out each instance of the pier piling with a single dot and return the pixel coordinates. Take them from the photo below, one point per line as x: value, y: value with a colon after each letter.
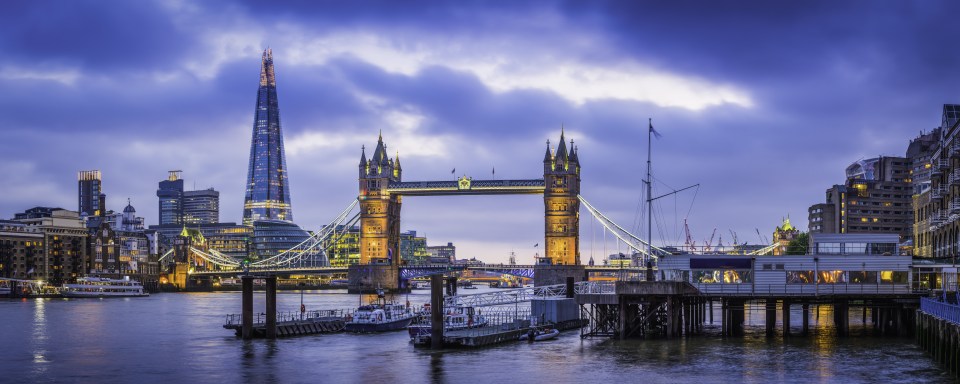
x: 436, y: 311
x: 247, y: 303
x: 271, y: 326
x: 786, y: 318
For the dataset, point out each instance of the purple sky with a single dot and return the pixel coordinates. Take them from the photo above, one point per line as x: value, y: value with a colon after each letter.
x: 762, y: 103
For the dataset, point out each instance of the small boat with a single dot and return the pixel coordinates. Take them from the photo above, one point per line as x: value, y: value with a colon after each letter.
x: 379, y: 317
x: 454, y: 319
x: 540, y: 334
x: 103, y: 287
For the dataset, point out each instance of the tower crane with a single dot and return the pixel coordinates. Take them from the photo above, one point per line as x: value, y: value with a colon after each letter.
x: 689, y: 244
x: 707, y: 248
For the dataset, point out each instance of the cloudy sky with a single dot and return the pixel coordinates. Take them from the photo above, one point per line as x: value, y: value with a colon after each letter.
x: 761, y: 103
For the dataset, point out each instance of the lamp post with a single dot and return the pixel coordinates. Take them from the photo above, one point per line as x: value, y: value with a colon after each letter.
x: 303, y: 308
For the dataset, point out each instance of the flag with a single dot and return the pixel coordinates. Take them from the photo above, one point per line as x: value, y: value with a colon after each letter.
x: 536, y: 245
x: 453, y: 171
x: 654, y: 131
x: 494, y: 171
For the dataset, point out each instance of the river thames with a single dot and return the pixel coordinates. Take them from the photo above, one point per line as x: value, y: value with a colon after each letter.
x: 178, y: 337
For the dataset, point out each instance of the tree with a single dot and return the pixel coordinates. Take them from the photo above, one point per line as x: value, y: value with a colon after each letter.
x: 799, y: 244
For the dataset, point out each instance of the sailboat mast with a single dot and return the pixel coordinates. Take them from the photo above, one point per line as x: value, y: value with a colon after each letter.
x: 649, y: 192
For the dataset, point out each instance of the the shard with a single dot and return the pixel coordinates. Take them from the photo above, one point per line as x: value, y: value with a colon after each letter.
x: 268, y: 188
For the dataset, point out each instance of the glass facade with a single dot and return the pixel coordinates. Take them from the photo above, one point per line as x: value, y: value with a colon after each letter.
x: 271, y: 237
x: 268, y: 193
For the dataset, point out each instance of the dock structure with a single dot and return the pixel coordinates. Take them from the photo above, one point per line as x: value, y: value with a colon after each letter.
x: 643, y: 309
x: 938, y: 331
x: 289, y: 323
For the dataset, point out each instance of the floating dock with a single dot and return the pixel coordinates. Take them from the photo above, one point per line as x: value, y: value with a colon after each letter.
x: 292, y: 323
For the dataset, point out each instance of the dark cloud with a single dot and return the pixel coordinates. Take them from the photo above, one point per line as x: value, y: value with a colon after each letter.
x: 147, y: 87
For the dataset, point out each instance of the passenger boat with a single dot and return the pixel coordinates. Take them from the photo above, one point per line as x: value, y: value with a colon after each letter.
x: 540, y: 334
x: 103, y: 287
x: 454, y: 319
x: 379, y: 317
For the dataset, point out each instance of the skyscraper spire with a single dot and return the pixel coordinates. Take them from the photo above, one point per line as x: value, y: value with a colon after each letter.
x: 267, y: 189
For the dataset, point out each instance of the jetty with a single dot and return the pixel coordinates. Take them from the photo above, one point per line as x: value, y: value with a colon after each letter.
x: 291, y: 323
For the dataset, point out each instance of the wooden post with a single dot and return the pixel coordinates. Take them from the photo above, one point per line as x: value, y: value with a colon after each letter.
x: 436, y: 311
x: 246, y: 327
x: 271, y: 326
x: 710, y: 310
x: 570, y: 292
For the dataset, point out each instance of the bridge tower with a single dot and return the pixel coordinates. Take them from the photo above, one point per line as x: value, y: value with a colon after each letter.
x: 379, y: 210
x: 561, y: 177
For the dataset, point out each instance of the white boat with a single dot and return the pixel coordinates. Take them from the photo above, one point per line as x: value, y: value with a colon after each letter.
x: 379, y: 318
x: 540, y: 334
x: 103, y: 287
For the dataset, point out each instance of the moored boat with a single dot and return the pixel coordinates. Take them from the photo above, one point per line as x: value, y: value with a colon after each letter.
x: 103, y: 287
x: 540, y: 334
x: 379, y: 317
x: 454, y: 319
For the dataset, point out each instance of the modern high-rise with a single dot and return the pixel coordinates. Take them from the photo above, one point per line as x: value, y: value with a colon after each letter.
x: 179, y: 207
x: 201, y: 207
x: 90, y: 196
x: 268, y: 188
x: 170, y: 193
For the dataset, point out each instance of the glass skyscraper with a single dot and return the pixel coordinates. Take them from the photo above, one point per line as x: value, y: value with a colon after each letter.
x: 268, y: 190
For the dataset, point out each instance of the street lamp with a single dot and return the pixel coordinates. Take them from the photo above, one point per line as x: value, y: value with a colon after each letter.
x: 303, y: 308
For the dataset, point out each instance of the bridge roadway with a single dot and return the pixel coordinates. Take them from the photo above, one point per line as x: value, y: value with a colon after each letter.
x: 412, y: 271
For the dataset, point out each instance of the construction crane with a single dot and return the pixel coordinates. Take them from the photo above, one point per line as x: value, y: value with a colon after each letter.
x: 689, y: 244
x: 734, y: 236
x: 763, y: 239
x: 707, y: 248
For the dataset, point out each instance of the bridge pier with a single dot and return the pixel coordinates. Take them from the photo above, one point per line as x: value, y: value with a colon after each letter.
x: 557, y: 274
x: 366, y: 278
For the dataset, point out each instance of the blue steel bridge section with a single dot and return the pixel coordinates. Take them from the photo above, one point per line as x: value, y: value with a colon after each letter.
x: 413, y: 271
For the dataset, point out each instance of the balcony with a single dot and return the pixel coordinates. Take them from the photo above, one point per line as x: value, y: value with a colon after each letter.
x: 938, y: 192
x: 954, y: 177
x: 955, y: 149
x: 937, y: 219
x: 955, y: 205
x: 939, y: 166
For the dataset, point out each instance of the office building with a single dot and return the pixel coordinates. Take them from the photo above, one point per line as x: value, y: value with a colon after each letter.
x: 875, y: 198
x: 90, y: 194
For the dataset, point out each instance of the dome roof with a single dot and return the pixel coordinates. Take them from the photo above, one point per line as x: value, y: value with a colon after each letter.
x: 129, y: 208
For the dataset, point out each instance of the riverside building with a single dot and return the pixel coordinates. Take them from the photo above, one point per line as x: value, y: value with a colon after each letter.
x: 875, y: 198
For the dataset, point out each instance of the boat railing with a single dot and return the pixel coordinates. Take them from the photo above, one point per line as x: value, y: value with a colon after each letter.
x: 497, y: 320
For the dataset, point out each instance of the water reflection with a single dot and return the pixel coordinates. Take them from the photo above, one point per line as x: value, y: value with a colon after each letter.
x: 179, y: 338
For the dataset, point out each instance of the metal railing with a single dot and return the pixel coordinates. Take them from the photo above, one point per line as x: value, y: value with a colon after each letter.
x: 939, y: 309
x: 511, y: 296
x: 748, y: 289
x: 261, y: 318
